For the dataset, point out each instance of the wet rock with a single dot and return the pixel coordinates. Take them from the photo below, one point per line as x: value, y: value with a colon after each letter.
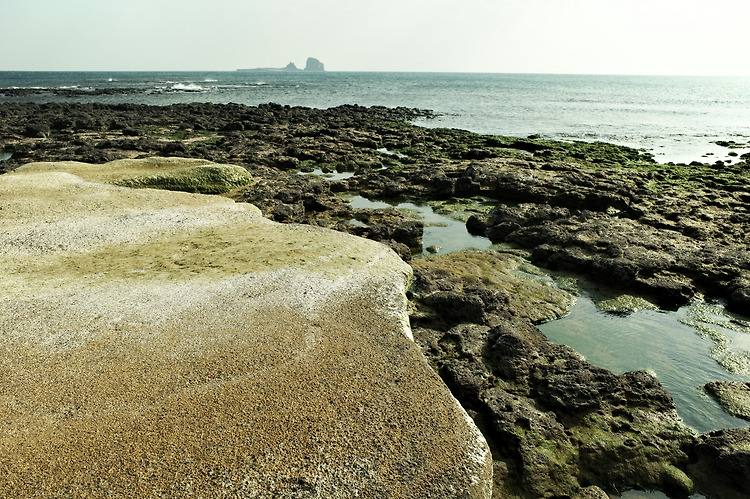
x: 734, y: 396
x: 560, y: 421
x: 722, y: 465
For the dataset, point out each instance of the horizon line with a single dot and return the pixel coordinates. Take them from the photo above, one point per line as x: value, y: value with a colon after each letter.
x: 262, y: 70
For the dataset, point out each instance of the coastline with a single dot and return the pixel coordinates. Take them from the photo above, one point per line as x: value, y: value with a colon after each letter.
x: 608, y: 212
x: 678, y: 119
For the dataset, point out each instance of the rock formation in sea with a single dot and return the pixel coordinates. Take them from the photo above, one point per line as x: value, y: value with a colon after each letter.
x: 314, y: 65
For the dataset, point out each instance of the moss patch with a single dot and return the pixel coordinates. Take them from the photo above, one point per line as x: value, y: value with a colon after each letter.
x: 175, y: 174
x: 625, y: 304
x: 204, y: 179
x: 539, y: 300
x: 462, y: 208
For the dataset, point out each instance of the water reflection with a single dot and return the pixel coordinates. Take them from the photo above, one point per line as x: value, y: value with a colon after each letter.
x: 662, y: 342
x: 328, y: 175
x: 442, y: 233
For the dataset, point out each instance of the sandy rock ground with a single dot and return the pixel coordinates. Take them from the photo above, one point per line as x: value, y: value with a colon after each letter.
x: 160, y: 343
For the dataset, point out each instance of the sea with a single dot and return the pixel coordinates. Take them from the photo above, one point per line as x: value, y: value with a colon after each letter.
x: 676, y: 118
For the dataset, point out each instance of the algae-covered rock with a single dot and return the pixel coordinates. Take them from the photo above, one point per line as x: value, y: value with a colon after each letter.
x: 498, y: 281
x: 722, y: 463
x: 173, y: 174
x: 734, y: 396
x: 556, y: 421
x: 203, y: 179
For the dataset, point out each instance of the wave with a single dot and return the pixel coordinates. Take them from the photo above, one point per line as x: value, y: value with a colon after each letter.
x: 187, y: 87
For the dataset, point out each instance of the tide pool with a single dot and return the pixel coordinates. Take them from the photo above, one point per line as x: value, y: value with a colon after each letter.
x: 672, y: 345
x: 685, y: 349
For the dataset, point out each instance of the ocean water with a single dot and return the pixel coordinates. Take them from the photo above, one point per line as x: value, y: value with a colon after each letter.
x: 677, y: 119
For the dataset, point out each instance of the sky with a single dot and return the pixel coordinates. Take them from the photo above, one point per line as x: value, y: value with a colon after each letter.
x: 680, y: 37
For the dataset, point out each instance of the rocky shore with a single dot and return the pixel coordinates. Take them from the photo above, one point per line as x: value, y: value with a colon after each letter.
x: 557, y: 426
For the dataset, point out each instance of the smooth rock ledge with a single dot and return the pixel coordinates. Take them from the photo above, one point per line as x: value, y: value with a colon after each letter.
x: 162, y: 343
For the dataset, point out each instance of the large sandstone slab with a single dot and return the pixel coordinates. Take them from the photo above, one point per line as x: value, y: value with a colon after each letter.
x: 166, y: 344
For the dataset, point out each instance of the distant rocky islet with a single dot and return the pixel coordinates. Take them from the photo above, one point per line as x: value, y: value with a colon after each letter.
x: 312, y: 65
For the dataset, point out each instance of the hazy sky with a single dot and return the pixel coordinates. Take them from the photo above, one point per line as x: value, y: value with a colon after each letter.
x: 539, y: 36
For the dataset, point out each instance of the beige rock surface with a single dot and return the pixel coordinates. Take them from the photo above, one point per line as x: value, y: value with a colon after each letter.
x: 161, y: 344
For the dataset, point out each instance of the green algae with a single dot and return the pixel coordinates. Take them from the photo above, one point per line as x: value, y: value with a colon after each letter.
x: 624, y: 304
x: 204, y: 179
x: 539, y: 300
x: 209, y: 253
x: 461, y: 144
x: 462, y: 209
x: 734, y: 398
x: 175, y: 174
x: 441, y: 144
x: 710, y: 321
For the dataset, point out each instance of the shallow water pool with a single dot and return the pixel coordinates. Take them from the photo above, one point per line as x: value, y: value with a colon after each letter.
x: 330, y: 175
x: 670, y: 344
x: 442, y: 233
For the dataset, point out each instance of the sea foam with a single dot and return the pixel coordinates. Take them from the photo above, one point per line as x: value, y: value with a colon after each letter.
x: 187, y: 87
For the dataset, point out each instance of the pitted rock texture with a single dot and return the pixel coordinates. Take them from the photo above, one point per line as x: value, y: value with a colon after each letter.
x: 163, y: 344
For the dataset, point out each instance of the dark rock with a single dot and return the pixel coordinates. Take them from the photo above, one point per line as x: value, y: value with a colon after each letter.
x: 739, y: 298
x: 131, y: 132
x: 313, y: 64
x: 401, y: 249
x: 457, y: 307
x: 235, y: 126
x: 36, y: 131
x: 174, y: 149
x: 285, y: 163
x: 61, y: 123
x: 722, y: 465
x: 389, y: 224
x: 283, y: 212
